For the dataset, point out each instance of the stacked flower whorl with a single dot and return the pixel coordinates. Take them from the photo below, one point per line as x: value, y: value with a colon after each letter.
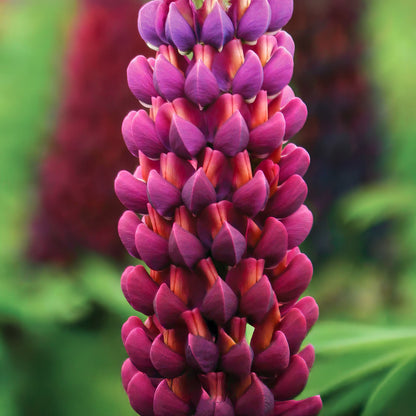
x: 215, y: 210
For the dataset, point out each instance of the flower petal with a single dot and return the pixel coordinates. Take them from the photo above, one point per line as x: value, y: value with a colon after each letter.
x: 298, y: 225
x: 202, y: 354
x: 167, y: 362
x: 127, y: 226
x: 178, y: 30
x: 147, y: 24
x: 278, y: 71
x: 168, y: 307
x: 198, y: 192
x: 293, y: 325
x: 295, y: 113
x: 131, y: 191
x: 141, y: 392
x: 294, y: 161
x: 281, y: 12
x: 306, y: 407
x: 249, y: 77
x: 168, y: 80
x: 237, y: 361
x: 255, y: 21
x: 140, y: 79
x: 166, y: 403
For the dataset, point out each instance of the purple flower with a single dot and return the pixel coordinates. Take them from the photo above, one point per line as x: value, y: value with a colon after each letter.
x: 216, y: 213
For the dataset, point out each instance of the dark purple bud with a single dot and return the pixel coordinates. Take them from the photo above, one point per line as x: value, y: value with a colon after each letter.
x: 201, y: 87
x: 128, y: 371
x: 198, y: 192
x: 168, y: 80
x: 127, y: 226
x: 288, y: 197
x: 178, y: 30
x: 163, y: 196
x: 290, y: 284
x: 229, y: 245
x: 308, y: 354
x: 252, y: 197
x: 267, y: 137
x: 298, y: 225
x: 255, y: 21
x: 294, y: 161
x: 281, y: 12
x: 167, y: 362
x: 131, y: 192
x: 147, y: 24
x: 138, y: 346
x: 220, y: 303
x: 141, y: 290
x: 292, y: 381
x: 284, y: 39
x: 309, y: 309
x: 168, y: 307
x: 295, y: 113
x: 185, y: 139
x: 153, y: 248
x: 201, y: 353
x: 141, y: 392
x: 167, y: 403
x: 132, y: 323
x: 274, y: 358
x: 249, y: 77
x: 273, y: 242
x: 140, y: 79
x: 293, y: 325
x: 218, y: 29
x: 306, y: 407
x: 278, y: 71
x: 127, y: 132
x: 184, y: 248
x: 257, y: 400
x: 237, y: 361
x: 211, y: 407
x: 123, y: 282
x: 232, y: 136
x: 145, y: 136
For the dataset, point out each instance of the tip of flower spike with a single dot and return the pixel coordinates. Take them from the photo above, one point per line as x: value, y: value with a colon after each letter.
x: 281, y: 12
x: 147, y: 24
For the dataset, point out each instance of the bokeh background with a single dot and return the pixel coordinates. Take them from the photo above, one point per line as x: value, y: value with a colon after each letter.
x: 63, y: 95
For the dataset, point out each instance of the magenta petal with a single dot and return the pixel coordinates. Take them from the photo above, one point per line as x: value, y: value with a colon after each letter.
x: 127, y: 132
x: 229, y: 245
x: 257, y: 400
x: 145, y: 136
x: 249, y: 77
x: 131, y: 192
x: 237, y: 361
x: 168, y: 80
x: 294, y: 280
x: 184, y: 248
x: 274, y: 358
x: 284, y: 39
x: 232, y: 136
x: 273, y: 242
x: 288, y: 197
x: 201, y: 354
x: 175, y: 169
x: 167, y: 362
x: 132, y: 323
x: 212, y: 407
x: 309, y: 309
x: 267, y: 137
x: 147, y: 25
x: 178, y: 30
x: 127, y: 226
x: 185, y: 138
x: 140, y: 79
x: 141, y: 392
x: 255, y: 21
x: 293, y: 325
x: 128, y: 371
x: 220, y: 303
x: 252, y: 197
x: 298, y: 225
x: 198, y: 192
x: 257, y: 301
x: 163, y: 196
x: 294, y: 161
x: 153, y: 248
x: 201, y: 87
x: 166, y: 403
x: 138, y: 348
x: 168, y: 307
x: 141, y: 290
x: 295, y: 113
x: 281, y: 12
x: 278, y: 71
x: 123, y: 282
x: 292, y: 381
x: 218, y: 29
x: 306, y: 407
x: 308, y: 354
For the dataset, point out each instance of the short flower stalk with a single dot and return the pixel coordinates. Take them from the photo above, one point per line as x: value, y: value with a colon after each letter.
x: 215, y: 210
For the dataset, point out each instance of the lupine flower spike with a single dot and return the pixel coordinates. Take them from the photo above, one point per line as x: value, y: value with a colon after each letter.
x: 215, y: 211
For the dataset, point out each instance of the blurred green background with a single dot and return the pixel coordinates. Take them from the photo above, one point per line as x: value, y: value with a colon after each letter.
x: 60, y: 350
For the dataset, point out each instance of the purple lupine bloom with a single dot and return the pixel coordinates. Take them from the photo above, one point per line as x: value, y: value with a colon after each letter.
x: 216, y: 212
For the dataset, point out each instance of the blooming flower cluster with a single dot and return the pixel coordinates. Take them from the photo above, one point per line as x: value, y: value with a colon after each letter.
x: 215, y: 210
